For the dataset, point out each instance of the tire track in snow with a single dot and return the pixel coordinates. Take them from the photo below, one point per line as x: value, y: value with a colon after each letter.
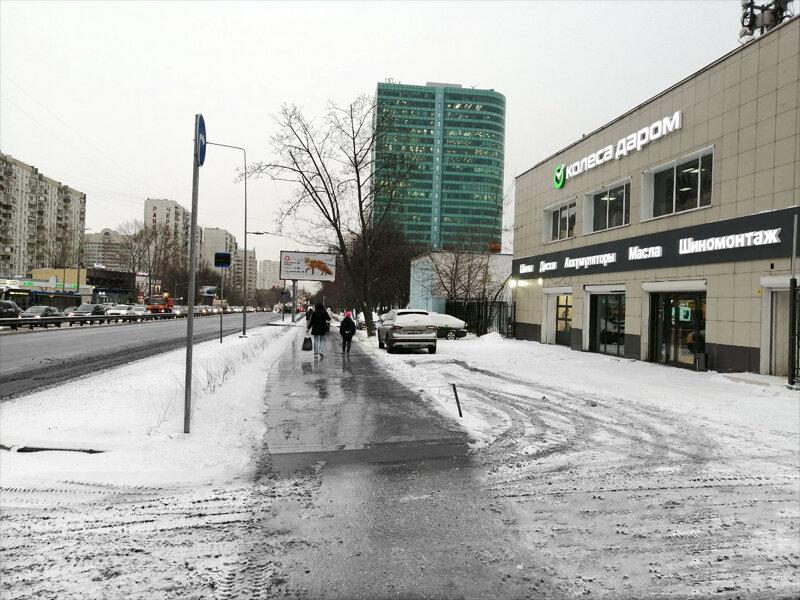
x: 632, y: 499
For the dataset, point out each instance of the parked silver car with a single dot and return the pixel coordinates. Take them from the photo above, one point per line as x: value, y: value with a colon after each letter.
x: 407, y: 328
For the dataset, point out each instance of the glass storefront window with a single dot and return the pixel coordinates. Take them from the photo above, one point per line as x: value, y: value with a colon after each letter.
x: 683, y: 187
x: 663, y: 192
x: 562, y: 221
x: 610, y: 207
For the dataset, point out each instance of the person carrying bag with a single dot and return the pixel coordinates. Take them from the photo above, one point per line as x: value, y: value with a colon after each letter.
x: 318, y: 326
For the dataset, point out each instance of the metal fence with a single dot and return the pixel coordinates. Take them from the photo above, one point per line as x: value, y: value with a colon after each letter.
x: 484, y: 316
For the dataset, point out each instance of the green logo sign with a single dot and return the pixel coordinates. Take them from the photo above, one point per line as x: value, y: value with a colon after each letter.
x: 560, y: 176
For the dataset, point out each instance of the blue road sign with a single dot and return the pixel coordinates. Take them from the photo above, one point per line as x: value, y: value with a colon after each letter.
x: 200, y: 140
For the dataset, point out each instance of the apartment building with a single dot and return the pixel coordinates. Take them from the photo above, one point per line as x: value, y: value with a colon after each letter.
x: 216, y: 240
x: 106, y: 249
x: 175, y: 218
x: 238, y: 267
x: 268, y: 274
x: 41, y: 220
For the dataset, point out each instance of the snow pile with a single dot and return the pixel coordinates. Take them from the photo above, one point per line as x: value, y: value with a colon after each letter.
x: 136, y: 414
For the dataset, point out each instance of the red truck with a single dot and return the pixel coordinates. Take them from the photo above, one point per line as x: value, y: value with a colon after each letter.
x: 160, y: 303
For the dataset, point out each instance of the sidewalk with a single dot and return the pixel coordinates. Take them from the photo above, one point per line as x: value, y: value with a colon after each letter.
x: 345, y: 408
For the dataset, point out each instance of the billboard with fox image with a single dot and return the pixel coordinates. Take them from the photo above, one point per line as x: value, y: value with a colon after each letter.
x: 308, y: 266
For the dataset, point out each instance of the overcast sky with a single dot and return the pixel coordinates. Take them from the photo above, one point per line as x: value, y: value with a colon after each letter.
x: 101, y: 96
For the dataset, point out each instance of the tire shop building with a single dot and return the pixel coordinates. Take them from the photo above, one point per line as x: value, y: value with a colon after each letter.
x: 667, y: 234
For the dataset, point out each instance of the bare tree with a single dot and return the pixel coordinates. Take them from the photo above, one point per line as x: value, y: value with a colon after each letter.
x: 468, y: 278
x: 133, y: 245
x: 149, y: 248
x: 338, y: 184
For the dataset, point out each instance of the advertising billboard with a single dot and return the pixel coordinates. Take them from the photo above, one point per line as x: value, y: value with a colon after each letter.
x: 308, y: 266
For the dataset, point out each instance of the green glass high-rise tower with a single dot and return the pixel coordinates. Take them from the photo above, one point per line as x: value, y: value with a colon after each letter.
x: 454, y: 137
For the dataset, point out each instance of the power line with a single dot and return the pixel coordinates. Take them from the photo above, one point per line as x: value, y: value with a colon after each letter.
x: 68, y: 142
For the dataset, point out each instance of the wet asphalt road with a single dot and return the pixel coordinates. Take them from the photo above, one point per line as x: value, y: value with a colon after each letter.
x: 399, y: 510
x: 32, y: 359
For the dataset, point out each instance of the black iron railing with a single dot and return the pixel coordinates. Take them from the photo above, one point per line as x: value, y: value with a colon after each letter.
x: 484, y: 316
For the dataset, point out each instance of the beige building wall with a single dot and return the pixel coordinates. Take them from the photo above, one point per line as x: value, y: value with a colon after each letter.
x: 175, y: 217
x: 103, y: 248
x: 268, y: 274
x: 216, y: 240
x: 745, y: 107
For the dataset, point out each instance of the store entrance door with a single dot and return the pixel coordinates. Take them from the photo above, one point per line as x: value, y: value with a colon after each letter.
x: 564, y: 320
x: 779, y: 352
x: 607, y: 324
x: 679, y: 329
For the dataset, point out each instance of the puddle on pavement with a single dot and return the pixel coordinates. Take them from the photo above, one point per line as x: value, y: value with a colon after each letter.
x: 290, y: 462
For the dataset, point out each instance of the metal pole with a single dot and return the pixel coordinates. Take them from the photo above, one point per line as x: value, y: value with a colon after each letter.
x: 794, y: 247
x: 221, y: 305
x: 294, y: 300
x: 244, y: 286
x: 792, y: 328
x: 793, y: 311
x: 244, y: 308
x: 187, y: 403
x: 455, y: 392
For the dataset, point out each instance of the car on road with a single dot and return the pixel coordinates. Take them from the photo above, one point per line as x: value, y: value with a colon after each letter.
x: 10, y: 310
x: 89, y: 310
x: 120, y: 310
x: 448, y: 327
x: 42, y: 312
x: 407, y: 328
x: 139, y: 310
x: 69, y: 310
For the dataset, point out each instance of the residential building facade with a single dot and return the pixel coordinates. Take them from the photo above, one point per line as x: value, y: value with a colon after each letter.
x: 268, y: 274
x: 237, y: 269
x: 41, y: 220
x: 175, y: 218
x: 104, y: 248
x: 454, y: 137
x: 216, y: 240
x: 666, y: 235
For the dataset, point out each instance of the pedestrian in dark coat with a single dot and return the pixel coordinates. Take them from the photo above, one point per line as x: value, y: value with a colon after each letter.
x: 318, y: 325
x: 347, y: 329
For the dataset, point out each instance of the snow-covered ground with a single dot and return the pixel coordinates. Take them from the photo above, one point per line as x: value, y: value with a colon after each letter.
x: 135, y: 413
x: 620, y: 478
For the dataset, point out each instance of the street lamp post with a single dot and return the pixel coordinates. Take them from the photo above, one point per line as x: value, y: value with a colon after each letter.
x: 244, y: 308
x: 261, y: 233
